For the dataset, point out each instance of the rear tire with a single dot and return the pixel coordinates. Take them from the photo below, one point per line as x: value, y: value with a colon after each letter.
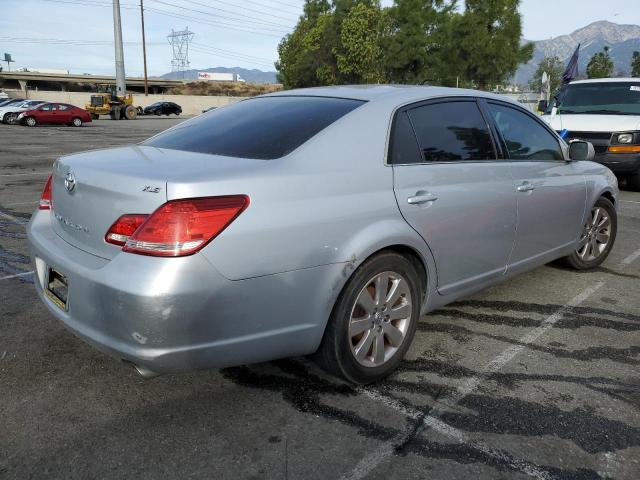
x: 597, y: 237
x: 373, y: 321
x: 30, y: 122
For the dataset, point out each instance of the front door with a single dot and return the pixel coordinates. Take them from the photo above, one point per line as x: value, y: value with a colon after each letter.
x: 454, y: 190
x: 551, y: 191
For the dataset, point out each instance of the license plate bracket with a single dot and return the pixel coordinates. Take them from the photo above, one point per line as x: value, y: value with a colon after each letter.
x: 57, y: 288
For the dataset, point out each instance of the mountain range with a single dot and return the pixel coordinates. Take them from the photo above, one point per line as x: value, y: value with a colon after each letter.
x: 622, y: 40
x: 250, y: 76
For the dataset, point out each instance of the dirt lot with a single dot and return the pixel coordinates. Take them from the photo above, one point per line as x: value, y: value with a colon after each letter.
x: 538, y: 377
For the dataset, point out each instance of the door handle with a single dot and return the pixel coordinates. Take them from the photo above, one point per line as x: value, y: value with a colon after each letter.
x: 421, y: 197
x: 525, y: 187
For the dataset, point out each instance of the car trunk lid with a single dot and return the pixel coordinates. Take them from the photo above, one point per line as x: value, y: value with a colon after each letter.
x: 92, y: 190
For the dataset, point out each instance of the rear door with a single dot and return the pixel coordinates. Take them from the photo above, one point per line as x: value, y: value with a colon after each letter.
x: 551, y: 191
x: 454, y: 189
x: 63, y: 113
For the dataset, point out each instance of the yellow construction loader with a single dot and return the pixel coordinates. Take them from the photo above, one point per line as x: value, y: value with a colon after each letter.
x: 107, y: 103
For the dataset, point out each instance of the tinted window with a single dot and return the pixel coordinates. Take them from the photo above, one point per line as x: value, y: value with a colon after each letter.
x: 404, y: 146
x: 266, y: 127
x: 452, y: 131
x: 526, y: 139
x: 47, y: 107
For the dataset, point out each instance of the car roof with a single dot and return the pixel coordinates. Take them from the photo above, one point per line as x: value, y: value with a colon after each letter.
x: 401, y: 93
x: 606, y: 80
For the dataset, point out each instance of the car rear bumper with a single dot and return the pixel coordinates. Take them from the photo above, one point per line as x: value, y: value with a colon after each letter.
x: 620, y: 163
x: 176, y: 314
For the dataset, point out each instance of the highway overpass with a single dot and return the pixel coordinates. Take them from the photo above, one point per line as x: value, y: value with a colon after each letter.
x: 57, y: 81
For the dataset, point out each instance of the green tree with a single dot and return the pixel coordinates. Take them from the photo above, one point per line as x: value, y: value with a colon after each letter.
x: 635, y: 64
x: 554, y: 68
x: 359, y: 55
x: 486, y: 38
x: 303, y: 53
x: 415, y: 42
x: 600, y: 65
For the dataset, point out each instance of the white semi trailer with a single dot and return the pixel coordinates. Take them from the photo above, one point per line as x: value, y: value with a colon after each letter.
x: 219, y: 77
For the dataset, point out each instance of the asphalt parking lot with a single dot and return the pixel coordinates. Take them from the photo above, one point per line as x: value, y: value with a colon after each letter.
x: 535, y: 378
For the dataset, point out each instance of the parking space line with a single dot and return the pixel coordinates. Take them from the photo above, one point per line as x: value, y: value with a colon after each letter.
x: 46, y: 172
x: 12, y: 218
x: 20, y: 203
x: 370, y: 462
x: 23, y: 274
x: 631, y: 258
x: 629, y: 201
x: 458, y: 435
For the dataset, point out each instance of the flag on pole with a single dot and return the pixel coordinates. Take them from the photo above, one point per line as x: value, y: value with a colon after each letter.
x: 570, y: 73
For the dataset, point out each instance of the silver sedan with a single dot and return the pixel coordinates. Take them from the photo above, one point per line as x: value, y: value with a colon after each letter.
x: 318, y: 221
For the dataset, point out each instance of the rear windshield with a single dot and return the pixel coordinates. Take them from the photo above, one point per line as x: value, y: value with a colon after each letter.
x: 603, y: 98
x: 263, y: 128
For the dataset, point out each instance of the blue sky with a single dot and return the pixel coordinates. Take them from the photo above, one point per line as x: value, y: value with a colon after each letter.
x: 77, y: 34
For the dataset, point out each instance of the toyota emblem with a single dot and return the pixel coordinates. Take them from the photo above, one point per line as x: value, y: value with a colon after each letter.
x: 70, y: 181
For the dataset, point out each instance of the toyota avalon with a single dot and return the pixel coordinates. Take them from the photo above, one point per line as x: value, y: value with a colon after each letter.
x: 316, y: 221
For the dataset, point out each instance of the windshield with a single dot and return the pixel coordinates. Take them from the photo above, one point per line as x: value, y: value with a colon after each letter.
x: 602, y: 98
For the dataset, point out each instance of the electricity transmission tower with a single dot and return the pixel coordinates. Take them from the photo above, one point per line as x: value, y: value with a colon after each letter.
x: 179, y: 42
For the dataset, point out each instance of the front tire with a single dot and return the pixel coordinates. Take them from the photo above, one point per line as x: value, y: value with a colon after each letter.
x: 373, y: 321
x: 76, y: 122
x: 30, y: 122
x: 6, y: 118
x: 597, y: 237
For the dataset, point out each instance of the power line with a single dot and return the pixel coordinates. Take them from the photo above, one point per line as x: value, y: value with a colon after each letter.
x: 232, y: 57
x: 201, y: 45
x: 211, y: 24
x: 271, y: 7
x: 246, y: 19
x: 240, y: 6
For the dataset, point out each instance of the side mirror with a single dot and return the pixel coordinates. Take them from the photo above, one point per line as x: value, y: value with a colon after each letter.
x: 542, y: 105
x: 581, y: 150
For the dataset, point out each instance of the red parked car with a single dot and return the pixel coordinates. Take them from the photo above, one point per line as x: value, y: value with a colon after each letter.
x: 56, y: 114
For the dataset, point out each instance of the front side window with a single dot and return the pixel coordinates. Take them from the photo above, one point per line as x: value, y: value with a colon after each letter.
x: 526, y: 139
x: 261, y: 128
x: 46, y: 108
x: 452, y: 131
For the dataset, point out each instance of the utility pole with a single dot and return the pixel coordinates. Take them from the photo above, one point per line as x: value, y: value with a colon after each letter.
x: 144, y: 50
x: 121, y: 86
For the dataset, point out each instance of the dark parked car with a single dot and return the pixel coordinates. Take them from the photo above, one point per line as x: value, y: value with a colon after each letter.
x: 163, y: 108
x: 55, y: 114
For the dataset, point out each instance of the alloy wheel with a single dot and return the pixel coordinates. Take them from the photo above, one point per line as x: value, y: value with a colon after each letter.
x: 596, y: 235
x: 380, y: 319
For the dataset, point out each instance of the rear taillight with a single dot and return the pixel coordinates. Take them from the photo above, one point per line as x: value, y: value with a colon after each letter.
x: 182, y: 227
x: 123, y: 228
x: 45, y: 198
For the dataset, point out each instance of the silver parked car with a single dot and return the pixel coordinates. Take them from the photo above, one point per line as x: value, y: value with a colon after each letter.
x: 321, y: 221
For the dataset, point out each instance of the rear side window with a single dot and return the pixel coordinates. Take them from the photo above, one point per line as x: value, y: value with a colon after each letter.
x: 404, y: 147
x: 263, y: 128
x: 452, y: 131
x: 526, y: 139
